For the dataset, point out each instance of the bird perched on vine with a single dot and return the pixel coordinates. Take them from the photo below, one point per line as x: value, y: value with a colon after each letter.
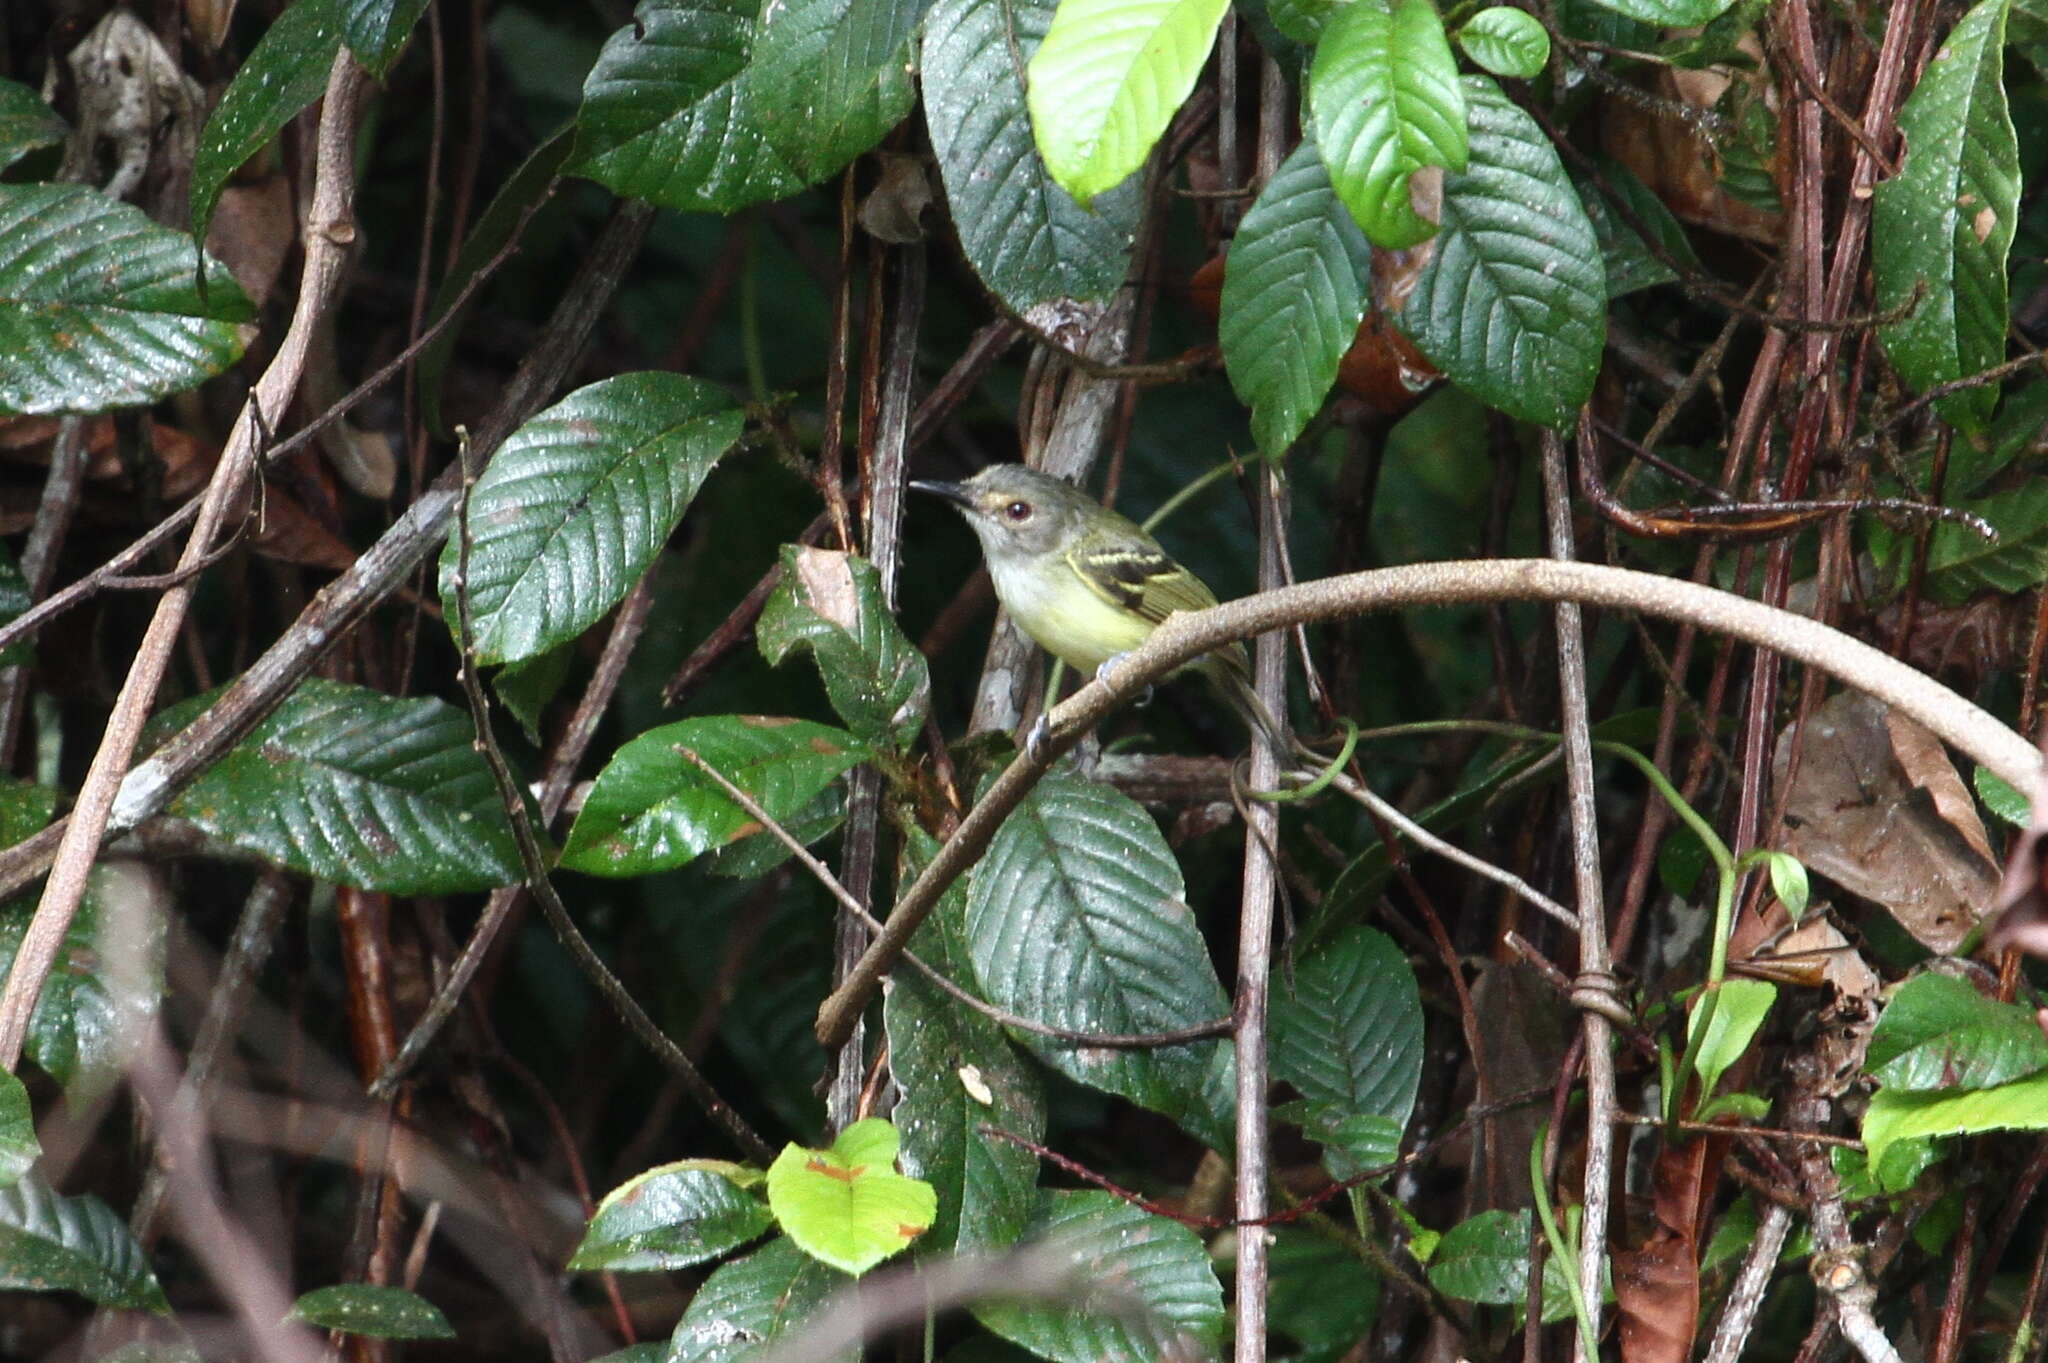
x: 1087, y: 584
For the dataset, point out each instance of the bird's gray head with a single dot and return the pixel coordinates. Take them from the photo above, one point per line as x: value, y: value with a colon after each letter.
x: 1016, y: 511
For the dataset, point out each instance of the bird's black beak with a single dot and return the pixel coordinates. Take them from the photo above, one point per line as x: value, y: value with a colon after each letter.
x: 956, y: 493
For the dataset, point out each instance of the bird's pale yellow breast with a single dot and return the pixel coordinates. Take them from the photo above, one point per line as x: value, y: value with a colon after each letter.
x: 1067, y: 618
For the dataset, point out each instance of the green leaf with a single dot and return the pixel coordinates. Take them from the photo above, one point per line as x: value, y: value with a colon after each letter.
x: 285, y: 72
x: 958, y: 1073
x: 2002, y: 798
x: 752, y: 1302
x: 1506, y: 41
x: 1899, y: 1115
x: 1962, y: 563
x: 1739, y: 1010
x: 847, y: 1206
x: 15, y: 599
x: 1938, y: 1032
x: 1384, y: 96
x: 1075, y: 919
x: 1484, y: 1258
x: 1512, y: 305
x: 1627, y: 260
x: 526, y: 188
x: 1668, y: 13
x: 829, y: 77
x: 1120, y: 1252
x: 651, y: 809
x: 19, y: 1148
x: 376, y: 30
x: 578, y: 501
x: 712, y: 105
x: 1323, y: 1296
x: 372, y: 1310
x: 1945, y: 221
x: 1107, y: 79
x: 1036, y: 248
x: 25, y: 123
x: 1789, y: 882
x: 360, y: 788
x: 1349, y: 1032
x: 99, y: 307
x: 672, y: 1216
x: 73, y: 1244
x: 86, y: 1017
x: 1294, y: 292
x: 1353, y: 1142
x: 830, y: 604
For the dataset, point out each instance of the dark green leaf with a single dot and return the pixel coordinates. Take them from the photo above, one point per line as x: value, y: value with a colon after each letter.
x: 1075, y: 919
x: 285, y: 72
x: 25, y: 122
x: 1353, y: 1142
x: 1484, y: 1258
x: 1349, y: 1033
x: 85, y: 1017
x: 1294, y: 292
x: 576, y: 504
x: 362, y: 789
x: 1384, y: 95
x: 19, y: 1149
x: 72, y: 1244
x: 651, y: 809
x: 1961, y: 562
x: 957, y: 1074
x: 1938, y: 1032
x: 672, y: 1216
x: 1512, y: 305
x: 1629, y: 263
x: 1942, y: 226
x: 99, y: 307
x: 1669, y: 13
x: 1030, y: 242
x: 830, y: 604
x: 14, y: 601
x: 1323, y: 1296
x: 1120, y: 1253
x: 752, y: 1302
x: 376, y: 30
x: 371, y: 1310
x: 829, y: 77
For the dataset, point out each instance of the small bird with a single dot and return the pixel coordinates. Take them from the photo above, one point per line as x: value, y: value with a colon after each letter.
x: 1086, y: 583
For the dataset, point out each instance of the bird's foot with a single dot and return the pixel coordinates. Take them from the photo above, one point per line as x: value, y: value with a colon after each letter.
x: 1105, y: 671
x: 1038, y: 740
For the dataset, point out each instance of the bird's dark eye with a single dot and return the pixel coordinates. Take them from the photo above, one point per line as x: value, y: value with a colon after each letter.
x: 1018, y: 511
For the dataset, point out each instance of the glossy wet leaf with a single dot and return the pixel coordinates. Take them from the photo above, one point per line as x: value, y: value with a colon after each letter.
x: 672, y: 1216
x: 752, y: 1302
x: 1506, y: 41
x: 376, y: 30
x: 99, y: 306
x: 830, y: 605
x: 1347, y: 1032
x: 374, y: 1311
x: 576, y: 504
x: 1938, y: 1032
x: 651, y: 809
x: 284, y: 73
x: 73, y: 1244
x: 25, y: 122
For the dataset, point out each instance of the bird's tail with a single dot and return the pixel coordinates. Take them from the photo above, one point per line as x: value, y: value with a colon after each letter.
x: 1230, y: 673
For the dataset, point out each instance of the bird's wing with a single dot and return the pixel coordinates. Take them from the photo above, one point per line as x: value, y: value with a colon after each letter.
x: 1141, y: 579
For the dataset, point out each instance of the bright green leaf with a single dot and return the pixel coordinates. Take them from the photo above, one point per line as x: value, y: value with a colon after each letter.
x: 1740, y: 1007
x: 1107, y: 80
x: 2002, y: 798
x: 1942, y: 226
x: 1294, y: 292
x: 1506, y: 41
x: 847, y: 1206
x: 1384, y: 96
x: 1898, y: 1115
x: 1668, y: 13
x: 1031, y: 243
